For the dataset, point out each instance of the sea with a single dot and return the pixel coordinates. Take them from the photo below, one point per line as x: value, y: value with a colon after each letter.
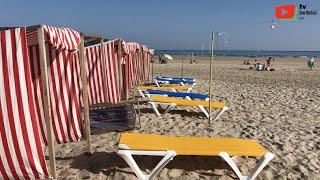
x: 243, y: 53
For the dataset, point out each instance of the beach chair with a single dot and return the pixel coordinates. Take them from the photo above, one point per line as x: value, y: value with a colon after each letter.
x: 176, y: 78
x: 173, y: 88
x: 107, y: 117
x: 171, y: 102
x: 177, y: 94
x: 169, y: 147
x: 163, y: 81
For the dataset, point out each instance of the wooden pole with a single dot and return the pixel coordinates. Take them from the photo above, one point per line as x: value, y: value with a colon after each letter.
x: 46, y: 96
x: 210, y: 84
x: 104, y: 72
x: 182, y: 66
x: 85, y: 95
x: 119, y: 66
x: 152, y: 71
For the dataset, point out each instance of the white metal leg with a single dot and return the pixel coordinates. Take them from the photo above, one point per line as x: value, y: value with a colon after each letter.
x: 213, y: 116
x: 167, y: 109
x: 264, y: 160
x: 204, y: 111
x: 219, y: 113
x: 155, y: 109
x: 156, y: 82
x: 141, y: 93
x: 127, y: 156
x: 171, y: 106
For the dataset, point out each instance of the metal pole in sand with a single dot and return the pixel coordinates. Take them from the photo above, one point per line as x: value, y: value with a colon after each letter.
x: 210, y: 84
x: 182, y: 66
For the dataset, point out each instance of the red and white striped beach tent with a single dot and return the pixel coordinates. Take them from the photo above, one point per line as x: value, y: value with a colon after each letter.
x: 104, y: 72
x: 41, y: 97
x: 63, y: 71
x: 137, y: 60
x: 21, y: 148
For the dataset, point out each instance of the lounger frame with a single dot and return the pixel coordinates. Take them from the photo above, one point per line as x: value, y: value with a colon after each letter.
x: 215, y: 114
x: 158, y: 82
x: 142, y: 94
x: 126, y: 153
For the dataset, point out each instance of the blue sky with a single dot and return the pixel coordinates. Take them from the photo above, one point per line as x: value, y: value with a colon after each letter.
x: 173, y: 24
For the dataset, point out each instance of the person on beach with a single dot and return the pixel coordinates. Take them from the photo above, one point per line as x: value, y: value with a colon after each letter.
x: 256, y: 63
x: 268, y: 62
x: 311, y: 62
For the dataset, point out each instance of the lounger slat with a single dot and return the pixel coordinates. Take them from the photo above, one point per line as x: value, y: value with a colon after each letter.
x: 186, y: 102
x: 193, y: 145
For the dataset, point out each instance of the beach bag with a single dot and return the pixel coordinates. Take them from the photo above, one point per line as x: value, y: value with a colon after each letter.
x: 260, y: 67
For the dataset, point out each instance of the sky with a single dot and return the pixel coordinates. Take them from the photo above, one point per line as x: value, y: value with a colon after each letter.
x: 174, y: 24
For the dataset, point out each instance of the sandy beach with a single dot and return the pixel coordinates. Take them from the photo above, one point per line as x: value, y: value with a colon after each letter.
x: 280, y: 109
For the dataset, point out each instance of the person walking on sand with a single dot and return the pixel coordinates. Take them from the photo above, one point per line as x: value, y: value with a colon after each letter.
x: 311, y: 62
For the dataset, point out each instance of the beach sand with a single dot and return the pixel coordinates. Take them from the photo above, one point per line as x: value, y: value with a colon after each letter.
x: 280, y: 109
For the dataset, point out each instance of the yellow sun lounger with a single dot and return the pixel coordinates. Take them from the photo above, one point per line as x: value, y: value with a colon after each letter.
x: 171, y: 102
x: 168, y: 147
x: 174, y: 88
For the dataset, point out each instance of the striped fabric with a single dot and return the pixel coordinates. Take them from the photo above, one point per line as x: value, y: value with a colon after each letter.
x: 62, y: 38
x: 112, y: 69
x: 21, y: 151
x: 138, y: 59
x: 65, y: 91
x: 94, y: 68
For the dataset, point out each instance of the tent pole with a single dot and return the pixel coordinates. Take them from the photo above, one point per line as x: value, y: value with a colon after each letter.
x: 119, y: 67
x: 85, y: 95
x: 152, y: 71
x: 104, y: 72
x: 46, y: 95
x: 210, y: 84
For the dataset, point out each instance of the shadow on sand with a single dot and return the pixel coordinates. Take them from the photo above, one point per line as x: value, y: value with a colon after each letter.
x: 109, y: 162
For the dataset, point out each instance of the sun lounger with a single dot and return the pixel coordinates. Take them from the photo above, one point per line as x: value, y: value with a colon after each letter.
x: 161, y: 81
x: 176, y: 78
x: 169, y: 147
x: 172, y: 88
x: 171, y: 102
x: 178, y: 94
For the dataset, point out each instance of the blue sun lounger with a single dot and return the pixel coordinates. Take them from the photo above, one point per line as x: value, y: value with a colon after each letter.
x: 159, y: 81
x: 178, y: 94
x: 176, y: 78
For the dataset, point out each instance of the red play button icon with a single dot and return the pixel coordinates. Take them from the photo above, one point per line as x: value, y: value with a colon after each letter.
x: 285, y: 11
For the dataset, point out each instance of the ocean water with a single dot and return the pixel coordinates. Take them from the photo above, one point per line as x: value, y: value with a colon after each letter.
x: 246, y: 53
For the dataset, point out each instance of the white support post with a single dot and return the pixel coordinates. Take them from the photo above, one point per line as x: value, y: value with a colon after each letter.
x: 46, y: 95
